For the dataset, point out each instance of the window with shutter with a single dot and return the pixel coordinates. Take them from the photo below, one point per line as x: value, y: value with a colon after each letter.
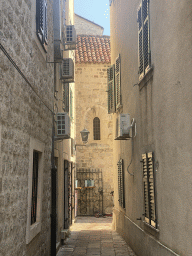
x: 41, y: 22
x: 71, y: 104
x: 121, y: 183
x: 144, y: 54
x: 149, y: 189
x: 111, y: 89
x: 66, y: 97
x: 118, y: 82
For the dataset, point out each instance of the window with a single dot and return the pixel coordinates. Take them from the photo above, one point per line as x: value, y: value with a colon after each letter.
x: 111, y: 89
x: 71, y: 104
x: 89, y: 183
x: 96, y: 128
x: 66, y: 98
x: 143, y: 38
x: 118, y: 81
x: 41, y: 22
x: 121, y: 183
x: 114, y: 86
x: 34, y: 187
x: 149, y: 189
x: 35, y: 183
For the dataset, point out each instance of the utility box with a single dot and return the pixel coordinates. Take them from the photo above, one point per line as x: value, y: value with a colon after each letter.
x: 123, y: 126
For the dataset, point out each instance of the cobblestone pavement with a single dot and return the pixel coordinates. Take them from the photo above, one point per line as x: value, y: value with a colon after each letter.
x: 93, y: 236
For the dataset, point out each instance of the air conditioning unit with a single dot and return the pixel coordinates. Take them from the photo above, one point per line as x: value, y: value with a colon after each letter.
x: 70, y: 37
x: 67, y: 70
x: 123, y: 126
x: 63, y: 126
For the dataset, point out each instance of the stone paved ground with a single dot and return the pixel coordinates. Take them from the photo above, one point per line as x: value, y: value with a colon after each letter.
x: 92, y: 236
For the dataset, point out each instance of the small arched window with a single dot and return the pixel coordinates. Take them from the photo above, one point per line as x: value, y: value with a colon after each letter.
x: 96, y: 128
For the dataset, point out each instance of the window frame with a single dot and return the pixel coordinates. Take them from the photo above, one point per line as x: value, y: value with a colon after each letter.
x: 118, y: 97
x: 111, y: 89
x: 149, y: 190
x: 143, y: 40
x: 42, y: 23
x: 121, y: 183
x: 96, y: 129
x: 34, y: 186
x: 33, y: 229
x: 71, y: 103
x: 114, y: 86
x: 66, y: 97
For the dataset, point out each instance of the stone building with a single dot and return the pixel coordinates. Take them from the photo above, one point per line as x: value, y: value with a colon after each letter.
x: 94, y: 161
x: 151, y: 44
x: 26, y: 110
x: 64, y: 105
x: 86, y: 27
x: 34, y: 52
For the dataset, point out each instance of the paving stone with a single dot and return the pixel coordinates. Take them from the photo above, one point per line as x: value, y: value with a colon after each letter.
x: 89, y: 237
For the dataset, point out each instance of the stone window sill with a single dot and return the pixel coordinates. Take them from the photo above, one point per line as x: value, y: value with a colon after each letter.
x: 151, y: 230
x: 33, y: 231
x: 146, y: 78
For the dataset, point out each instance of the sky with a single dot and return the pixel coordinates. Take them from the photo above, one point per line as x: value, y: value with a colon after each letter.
x: 96, y: 11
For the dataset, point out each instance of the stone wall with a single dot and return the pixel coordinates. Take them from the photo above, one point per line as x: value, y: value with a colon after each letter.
x: 86, y: 27
x: 23, y: 115
x: 91, y: 102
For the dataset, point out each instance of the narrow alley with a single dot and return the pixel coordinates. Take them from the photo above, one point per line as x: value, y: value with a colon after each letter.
x: 94, y: 236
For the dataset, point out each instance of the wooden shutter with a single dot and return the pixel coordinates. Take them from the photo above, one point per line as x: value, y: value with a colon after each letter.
x: 71, y: 104
x: 118, y: 81
x: 140, y: 42
x: 41, y: 22
x: 121, y: 183
x: 145, y: 181
x: 39, y: 19
x: 111, y: 89
x: 45, y: 23
x: 144, y: 54
x: 149, y: 189
x: 145, y: 15
x: 66, y: 97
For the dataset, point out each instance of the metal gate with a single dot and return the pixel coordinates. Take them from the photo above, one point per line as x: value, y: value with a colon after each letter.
x: 89, y: 183
x: 67, y: 194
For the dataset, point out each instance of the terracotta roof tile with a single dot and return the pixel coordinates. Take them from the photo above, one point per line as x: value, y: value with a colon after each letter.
x: 95, y: 49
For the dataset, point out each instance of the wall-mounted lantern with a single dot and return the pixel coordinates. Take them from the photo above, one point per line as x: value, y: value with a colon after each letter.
x: 84, y: 135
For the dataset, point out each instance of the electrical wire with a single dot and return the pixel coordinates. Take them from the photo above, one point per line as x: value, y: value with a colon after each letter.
x: 21, y: 73
x: 132, y: 174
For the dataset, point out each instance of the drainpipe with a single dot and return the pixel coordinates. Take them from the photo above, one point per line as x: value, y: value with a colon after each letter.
x: 53, y: 195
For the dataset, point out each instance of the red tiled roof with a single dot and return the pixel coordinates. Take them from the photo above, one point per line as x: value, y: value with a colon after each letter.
x: 93, y: 49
